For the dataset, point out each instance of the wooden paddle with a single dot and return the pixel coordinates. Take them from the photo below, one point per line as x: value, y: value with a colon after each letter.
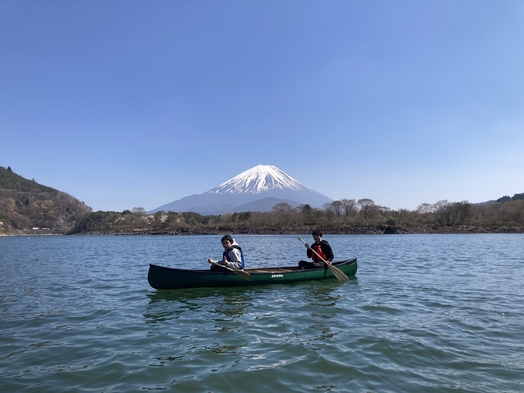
x: 241, y: 273
x: 335, y: 270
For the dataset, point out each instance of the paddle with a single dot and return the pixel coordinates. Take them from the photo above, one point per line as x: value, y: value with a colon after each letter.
x: 241, y: 273
x: 336, y: 271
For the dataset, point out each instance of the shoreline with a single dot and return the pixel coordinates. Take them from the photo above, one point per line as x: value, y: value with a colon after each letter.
x: 286, y: 231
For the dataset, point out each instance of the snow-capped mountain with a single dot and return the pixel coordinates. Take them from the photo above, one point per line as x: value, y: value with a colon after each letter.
x: 257, y: 189
x: 259, y: 179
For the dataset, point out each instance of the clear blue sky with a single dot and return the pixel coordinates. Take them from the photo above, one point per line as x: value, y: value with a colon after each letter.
x: 128, y: 103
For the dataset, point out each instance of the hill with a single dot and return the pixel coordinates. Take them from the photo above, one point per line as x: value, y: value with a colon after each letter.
x: 26, y: 204
x: 507, y: 198
x: 11, y: 181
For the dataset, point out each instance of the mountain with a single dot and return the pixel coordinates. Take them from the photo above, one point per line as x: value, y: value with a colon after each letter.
x: 257, y: 189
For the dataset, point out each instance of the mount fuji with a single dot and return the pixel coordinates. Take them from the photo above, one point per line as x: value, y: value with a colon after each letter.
x: 257, y: 189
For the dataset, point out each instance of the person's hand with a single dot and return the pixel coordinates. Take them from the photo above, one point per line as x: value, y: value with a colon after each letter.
x: 307, y: 245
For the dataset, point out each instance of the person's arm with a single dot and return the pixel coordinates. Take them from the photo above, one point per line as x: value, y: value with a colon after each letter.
x: 328, y: 252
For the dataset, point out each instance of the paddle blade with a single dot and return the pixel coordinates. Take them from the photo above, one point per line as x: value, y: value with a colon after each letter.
x: 338, y: 273
x: 243, y: 274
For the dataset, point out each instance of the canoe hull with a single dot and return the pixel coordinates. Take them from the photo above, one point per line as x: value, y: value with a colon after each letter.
x: 160, y: 277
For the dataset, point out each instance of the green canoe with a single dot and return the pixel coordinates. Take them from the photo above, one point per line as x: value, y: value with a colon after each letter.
x: 160, y: 277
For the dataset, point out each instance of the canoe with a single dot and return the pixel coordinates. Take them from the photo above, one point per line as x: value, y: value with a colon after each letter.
x: 161, y: 277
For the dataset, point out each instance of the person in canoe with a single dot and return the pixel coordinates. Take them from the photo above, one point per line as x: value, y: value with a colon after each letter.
x: 231, y: 257
x: 322, y: 248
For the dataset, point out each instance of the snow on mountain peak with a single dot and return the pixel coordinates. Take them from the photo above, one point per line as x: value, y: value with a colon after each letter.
x: 258, y: 179
x: 257, y: 189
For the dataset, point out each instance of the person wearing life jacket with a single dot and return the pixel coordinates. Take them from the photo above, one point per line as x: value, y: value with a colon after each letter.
x: 322, y: 248
x: 231, y: 257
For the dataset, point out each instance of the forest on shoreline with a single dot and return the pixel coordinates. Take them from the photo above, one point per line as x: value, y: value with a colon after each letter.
x: 339, y: 217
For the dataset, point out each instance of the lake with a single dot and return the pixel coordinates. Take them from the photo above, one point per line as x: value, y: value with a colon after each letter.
x: 425, y: 313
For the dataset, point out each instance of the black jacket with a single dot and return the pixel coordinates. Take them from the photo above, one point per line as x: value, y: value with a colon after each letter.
x: 326, y: 249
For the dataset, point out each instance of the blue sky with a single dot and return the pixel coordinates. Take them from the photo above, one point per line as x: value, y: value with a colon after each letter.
x: 128, y: 104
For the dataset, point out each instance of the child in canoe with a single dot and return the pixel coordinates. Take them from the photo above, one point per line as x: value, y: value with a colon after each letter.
x: 231, y: 257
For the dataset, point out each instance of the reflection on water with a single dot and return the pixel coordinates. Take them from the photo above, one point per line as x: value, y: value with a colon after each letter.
x: 245, y: 322
x: 323, y: 293
x: 234, y: 306
x: 224, y: 349
x: 229, y: 302
x: 183, y: 295
x: 325, y: 331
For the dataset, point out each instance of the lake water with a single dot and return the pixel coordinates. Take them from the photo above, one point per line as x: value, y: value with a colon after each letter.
x: 425, y: 313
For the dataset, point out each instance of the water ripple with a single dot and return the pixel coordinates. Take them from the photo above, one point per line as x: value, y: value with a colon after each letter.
x: 430, y: 313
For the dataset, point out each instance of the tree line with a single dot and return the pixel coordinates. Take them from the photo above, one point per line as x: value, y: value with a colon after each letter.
x: 343, y: 216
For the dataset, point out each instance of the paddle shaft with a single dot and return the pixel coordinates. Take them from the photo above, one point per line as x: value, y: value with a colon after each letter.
x: 336, y: 271
x: 241, y: 273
